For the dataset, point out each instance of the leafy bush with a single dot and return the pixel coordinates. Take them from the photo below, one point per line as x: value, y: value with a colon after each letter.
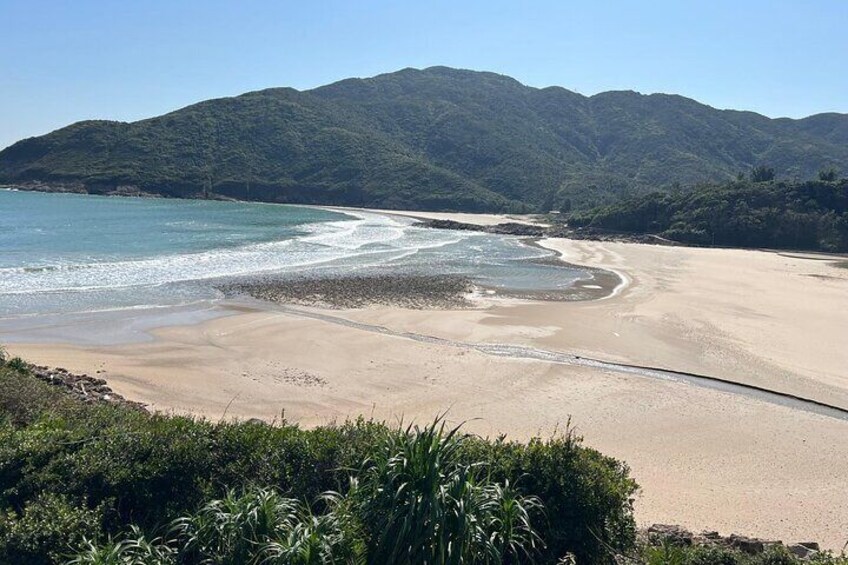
x: 714, y: 556
x: 262, y: 526
x: 133, y: 550
x: 588, y: 497
x: 149, y: 470
x: 49, y: 528
x: 421, y: 504
x: 415, y: 500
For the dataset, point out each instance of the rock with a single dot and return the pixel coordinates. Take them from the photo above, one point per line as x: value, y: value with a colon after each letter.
x: 515, y: 228
x: 802, y: 551
x: 663, y: 533
x: 748, y: 545
x: 505, y: 228
x: 672, y: 533
x: 84, y: 387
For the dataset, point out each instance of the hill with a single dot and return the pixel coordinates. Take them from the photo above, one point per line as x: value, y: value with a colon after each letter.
x: 437, y: 138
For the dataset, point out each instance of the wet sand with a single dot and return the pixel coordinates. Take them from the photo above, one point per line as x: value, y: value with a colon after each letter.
x: 704, y: 458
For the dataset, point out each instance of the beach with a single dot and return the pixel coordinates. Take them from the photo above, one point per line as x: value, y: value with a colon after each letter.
x: 705, y: 459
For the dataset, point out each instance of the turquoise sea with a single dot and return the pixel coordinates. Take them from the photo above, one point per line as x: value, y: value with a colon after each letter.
x: 68, y: 253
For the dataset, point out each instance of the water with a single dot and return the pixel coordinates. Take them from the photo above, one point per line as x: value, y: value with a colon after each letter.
x: 65, y: 253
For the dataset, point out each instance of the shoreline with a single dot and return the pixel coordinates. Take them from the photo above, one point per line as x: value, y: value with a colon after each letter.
x: 705, y: 458
x: 480, y: 219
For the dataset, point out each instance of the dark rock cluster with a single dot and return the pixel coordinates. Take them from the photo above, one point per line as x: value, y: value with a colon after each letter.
x: 557, y: 230
x: 676, y: 535
x: 84, y: 387
x: 507, y: 228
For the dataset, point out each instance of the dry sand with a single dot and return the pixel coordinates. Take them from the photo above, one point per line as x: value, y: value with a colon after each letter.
x: 704, y: 459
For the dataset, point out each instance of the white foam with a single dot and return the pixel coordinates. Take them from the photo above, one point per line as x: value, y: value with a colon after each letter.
x: 379, y: 238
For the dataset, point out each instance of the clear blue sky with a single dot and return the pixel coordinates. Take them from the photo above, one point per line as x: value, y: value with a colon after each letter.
x: 64, y: 61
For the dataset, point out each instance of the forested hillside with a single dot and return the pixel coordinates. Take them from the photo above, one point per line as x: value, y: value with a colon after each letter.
x: 437, y: 138
x: 745, y: 213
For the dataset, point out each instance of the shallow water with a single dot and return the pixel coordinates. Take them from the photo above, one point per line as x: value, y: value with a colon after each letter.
x: 64, y: 253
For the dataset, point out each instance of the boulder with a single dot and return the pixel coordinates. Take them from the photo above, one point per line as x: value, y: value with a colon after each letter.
x: 673, y: 534
x: 752, y: 546
x: 802, y: 551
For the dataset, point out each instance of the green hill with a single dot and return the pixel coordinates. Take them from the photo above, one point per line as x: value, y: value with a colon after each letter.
x: 437, y: 138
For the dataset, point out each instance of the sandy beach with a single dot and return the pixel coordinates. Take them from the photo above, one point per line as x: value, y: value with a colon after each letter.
x: 705, y: 459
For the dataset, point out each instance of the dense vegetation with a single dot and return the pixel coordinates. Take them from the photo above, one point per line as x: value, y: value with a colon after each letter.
x: 810, y: 215
x: 76, y: 476
x: 437, y: 138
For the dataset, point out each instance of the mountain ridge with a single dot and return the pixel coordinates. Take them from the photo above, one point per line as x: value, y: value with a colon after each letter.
x: 437, y: 138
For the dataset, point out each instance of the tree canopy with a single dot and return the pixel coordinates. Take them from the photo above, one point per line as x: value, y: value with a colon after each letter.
x: 791, y: 215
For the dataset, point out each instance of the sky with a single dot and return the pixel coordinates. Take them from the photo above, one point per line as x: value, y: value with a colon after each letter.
x: 62, y: 61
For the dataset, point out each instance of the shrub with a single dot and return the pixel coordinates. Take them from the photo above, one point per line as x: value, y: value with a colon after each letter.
x: 714, y: 556
x: 134, y: 550
x: 588, y: 497
x: 262, y: 526
x: 148, y: 470
x: 420, y: 503
x: 49, y: 528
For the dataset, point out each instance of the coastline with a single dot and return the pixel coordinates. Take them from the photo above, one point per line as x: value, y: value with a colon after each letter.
x: 705, y: 459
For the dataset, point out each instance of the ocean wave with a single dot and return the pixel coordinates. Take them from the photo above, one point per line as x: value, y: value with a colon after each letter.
x: 76, y: 269
x: 369, y: 240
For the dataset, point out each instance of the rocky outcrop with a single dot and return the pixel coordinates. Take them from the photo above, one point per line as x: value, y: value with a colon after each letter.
x: 557, y: 230
x: 676, y: 535
x: 804, y: 550
x: 84, y: 387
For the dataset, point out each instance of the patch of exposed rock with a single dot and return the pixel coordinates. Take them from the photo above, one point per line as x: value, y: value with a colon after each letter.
x: 84, y: 387
x: 557, y: 230
x: 676, y: 535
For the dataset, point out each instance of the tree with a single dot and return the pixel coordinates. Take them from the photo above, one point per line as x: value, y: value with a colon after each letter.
x: 762, y: 174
